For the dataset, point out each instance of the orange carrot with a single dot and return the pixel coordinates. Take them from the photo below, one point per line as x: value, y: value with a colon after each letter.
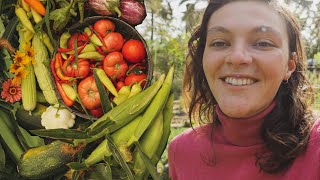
x: 37, y: 6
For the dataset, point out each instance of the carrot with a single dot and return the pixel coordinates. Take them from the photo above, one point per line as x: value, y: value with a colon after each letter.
x: 37, y: 6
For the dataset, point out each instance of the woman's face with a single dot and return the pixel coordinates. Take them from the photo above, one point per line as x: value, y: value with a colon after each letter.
x: 246, y: 57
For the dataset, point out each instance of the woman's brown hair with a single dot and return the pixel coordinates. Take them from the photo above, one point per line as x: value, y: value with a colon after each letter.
x: 286, y: 129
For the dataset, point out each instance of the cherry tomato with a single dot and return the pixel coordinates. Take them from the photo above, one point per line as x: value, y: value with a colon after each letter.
x: 81, y: 40
x: 113, y: 42
x: 80, y: 70
x: 119, y: 85
x: 98, y: 112
x: 132, y: 78
x: 103, y: 27
x: 133, y: 51
x: 115, y: 66
x: 88, y: 93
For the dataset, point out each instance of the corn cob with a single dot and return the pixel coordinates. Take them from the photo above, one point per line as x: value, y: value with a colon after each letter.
x: 28, y: 90
x: 149, y: 143
x: 167, y: 116
x: 120, y: 138
x: 42, y: 72
x: 7, y: 136
x: 154, y: 108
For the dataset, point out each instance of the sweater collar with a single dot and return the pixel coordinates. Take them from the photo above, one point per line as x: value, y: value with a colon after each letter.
x: 243, y: 131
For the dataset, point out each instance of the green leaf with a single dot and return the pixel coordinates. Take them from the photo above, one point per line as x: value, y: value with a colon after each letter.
x: 100, y: 127
x: 99, y: 171
x: 104, y: 94
x: 118, y: 156
x: 150, y: 167
x: 2, y: 159
x: 77, y: 166
x: 10, y: 29
x: 31, y: 141
x: 61, y: 133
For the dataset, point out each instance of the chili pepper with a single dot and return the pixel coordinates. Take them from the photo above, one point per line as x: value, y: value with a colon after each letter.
x: 81, y: 9
x: 98, y: 35
x: 53, y: 69
x: 70, y: 92
x: 58, y: 65
x: 92, y: 36
x: 63, y: 42
x: 37, y: 6
x: 46, y: 40
x: 135, y: 89
x: 63, y: 95
x: 91, y: 55
x: 106, y: 81
x: 23, y: 17
x: 25, y: 6
x: 122, y: 95
x: 36, y: 16
x: 99, y: 50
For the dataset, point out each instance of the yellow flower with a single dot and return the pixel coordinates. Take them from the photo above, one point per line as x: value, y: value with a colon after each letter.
x: 29, y: 51
x: 15, y: 67
x: 22, y: 73
x: 20, y: 58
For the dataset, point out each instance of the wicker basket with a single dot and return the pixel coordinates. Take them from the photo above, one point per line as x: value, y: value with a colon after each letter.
x: 128, y: 32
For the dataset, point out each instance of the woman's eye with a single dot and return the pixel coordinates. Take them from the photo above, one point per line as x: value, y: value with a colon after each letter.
x: 219, y: 44
x: 264, y: 44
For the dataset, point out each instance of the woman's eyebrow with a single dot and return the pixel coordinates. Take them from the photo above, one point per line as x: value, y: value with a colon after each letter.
x: 217, y: 29
x: 266, y: 29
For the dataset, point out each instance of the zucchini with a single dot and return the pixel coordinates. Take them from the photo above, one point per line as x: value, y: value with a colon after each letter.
x: 32, y: 121
x: 48, y: 160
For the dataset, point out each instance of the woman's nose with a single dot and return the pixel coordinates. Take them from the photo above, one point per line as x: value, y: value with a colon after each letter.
x: 239, y: 55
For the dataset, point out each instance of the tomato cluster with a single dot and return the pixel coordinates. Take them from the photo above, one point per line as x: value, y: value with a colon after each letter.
x: 97, y: 46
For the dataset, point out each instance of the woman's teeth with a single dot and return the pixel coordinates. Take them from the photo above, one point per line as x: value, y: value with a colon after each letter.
x: 238, y: 81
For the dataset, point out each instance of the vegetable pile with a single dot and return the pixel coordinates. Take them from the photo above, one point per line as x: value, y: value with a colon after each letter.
x: 98, y: 51
x: 85, y: 107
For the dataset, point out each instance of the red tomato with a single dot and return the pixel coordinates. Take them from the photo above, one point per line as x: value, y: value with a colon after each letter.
x: 133, y: 51
x: 115, y: 66
x: 119, y: 85
x: 113, y: 42
x: 98, y: 112
x: 88, y: 93
x: 80, y: 70
x: 132, y: 78
x: 81, y: 40
x: 103, y: 27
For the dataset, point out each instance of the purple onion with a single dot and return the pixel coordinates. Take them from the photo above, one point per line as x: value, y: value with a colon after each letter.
x: 133, y: 12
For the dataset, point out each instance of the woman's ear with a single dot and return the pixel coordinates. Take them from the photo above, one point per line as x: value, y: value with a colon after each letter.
x: 291, y: 65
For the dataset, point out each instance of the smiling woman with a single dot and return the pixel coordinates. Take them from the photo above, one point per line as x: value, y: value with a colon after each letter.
x: 245, y: 78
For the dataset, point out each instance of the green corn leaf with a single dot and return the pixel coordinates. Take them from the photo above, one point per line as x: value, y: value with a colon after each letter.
x: 118, y: 156
x: 77, y: 166
x: 60, y: 133
x: 104, y: 94
x: 2, y: 159
x: 100, y: 127
x: 99, y: 171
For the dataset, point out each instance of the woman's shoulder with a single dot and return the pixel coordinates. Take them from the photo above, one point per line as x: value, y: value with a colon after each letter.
x: 315, y: 133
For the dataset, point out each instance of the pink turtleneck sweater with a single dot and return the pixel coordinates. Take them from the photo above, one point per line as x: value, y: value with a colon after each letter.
x: 234, y: 146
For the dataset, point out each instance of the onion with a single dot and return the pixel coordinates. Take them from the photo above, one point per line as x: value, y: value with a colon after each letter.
x: 133, y: 12
x: 105, y: 7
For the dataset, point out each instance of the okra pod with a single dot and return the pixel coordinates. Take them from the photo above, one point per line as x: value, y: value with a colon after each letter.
x: 154, y: 108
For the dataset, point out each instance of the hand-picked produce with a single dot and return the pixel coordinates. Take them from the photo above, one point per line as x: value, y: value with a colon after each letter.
x: 84, y: 107
x: 98, y: 47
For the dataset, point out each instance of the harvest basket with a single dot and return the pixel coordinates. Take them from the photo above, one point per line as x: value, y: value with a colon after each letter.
x: 128, y: 32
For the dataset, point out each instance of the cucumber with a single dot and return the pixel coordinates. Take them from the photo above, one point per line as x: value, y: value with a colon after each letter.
x: 32, y: 121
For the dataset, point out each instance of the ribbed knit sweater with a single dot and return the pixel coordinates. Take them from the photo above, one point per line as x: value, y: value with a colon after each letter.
x: 229, y: 153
